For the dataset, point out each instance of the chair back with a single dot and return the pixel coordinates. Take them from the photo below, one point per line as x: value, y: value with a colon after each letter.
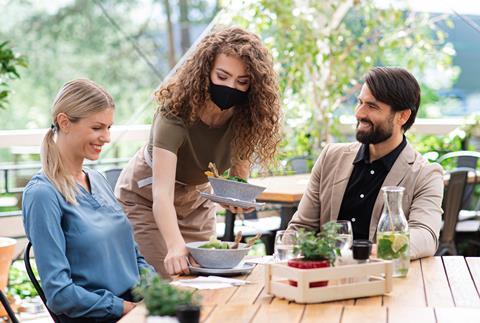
x: 464, y: 159
x: 35, y: 282
x: 452, y: 204
x: 299, y: 164
x: 8, y: 309
x: 112, y: 176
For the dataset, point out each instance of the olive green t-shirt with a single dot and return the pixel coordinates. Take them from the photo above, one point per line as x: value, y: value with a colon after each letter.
x: 195, y: 146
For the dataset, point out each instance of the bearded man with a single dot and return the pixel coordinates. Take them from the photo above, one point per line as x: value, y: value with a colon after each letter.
x: 346, y: 179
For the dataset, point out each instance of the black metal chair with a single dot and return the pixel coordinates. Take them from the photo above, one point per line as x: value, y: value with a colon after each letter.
x: 112, y: 176
x: 36, y: 284
x: 463, y: 159
x: 7, y: 307
x: 452, y: 204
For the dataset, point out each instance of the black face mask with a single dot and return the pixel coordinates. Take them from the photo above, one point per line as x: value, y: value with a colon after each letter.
x: 226, y: 97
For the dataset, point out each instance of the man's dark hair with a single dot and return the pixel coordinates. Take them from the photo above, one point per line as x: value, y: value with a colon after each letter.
x: 396, y: 87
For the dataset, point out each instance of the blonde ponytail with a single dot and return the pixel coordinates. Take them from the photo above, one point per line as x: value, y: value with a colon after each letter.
x: 77, y: 99
x: 53, y: 168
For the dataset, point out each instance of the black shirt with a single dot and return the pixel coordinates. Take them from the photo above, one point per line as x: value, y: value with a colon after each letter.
x: 363, y: 188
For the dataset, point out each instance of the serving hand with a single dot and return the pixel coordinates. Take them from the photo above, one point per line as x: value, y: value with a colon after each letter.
x: 237, y: 210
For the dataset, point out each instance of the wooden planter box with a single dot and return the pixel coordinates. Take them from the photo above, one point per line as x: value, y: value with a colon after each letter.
x: 345, y: 282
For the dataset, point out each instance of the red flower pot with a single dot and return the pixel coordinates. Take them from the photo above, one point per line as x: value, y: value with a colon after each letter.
x: 308, y: 264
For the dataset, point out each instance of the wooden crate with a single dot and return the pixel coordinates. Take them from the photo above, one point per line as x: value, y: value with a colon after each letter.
x: 344, y: 282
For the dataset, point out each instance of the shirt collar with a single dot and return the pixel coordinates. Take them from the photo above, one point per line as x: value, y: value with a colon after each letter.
x: 388, y: 160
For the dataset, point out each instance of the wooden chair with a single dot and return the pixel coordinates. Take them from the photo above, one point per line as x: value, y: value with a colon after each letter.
x: 452, y: 204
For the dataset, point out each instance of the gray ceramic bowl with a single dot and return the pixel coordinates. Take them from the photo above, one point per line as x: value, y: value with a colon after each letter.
x: 217, y: 258
x: 236, y: 190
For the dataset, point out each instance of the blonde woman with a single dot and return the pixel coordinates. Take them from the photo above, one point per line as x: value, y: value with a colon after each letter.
x: 84, y: 248
x: 221, y: 106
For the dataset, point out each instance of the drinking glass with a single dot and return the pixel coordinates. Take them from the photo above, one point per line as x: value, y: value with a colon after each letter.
x: 284, y: 245
x: 345, y: 235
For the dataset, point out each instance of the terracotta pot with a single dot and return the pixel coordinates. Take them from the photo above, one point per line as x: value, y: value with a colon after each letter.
x: 308, y: 264
x: 7, y: 248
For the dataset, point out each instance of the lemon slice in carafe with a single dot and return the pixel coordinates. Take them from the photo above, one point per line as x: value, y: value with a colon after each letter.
x: 398, y: 242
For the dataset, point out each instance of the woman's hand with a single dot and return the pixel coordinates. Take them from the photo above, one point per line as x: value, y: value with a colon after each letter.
x: 237, y: 210
x: 128, y: 306
x: 176, y: 260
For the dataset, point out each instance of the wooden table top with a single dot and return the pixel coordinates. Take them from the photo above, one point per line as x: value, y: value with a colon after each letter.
x: 284, y: 189
x: 290, y: 188
x: 437, y: 289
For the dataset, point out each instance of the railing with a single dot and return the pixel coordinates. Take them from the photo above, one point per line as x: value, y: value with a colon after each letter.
x: 34, y: 137
x: 130, y: 133
x: 421, y: 126
x: 8, y: 171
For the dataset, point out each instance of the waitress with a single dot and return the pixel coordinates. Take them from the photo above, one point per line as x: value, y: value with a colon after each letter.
x: 221, y: 106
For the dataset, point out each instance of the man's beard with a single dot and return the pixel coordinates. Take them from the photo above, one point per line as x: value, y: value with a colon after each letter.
x: 376, y: 134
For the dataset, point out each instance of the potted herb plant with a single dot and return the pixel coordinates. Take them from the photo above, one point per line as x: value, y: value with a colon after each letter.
x: 164, y: 301
x: 318, y: 250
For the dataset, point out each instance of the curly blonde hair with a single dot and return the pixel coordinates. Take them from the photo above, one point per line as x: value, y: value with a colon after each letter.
x: 256, y: 125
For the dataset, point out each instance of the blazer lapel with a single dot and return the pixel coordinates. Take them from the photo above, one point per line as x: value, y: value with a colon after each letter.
x: 342, y: 175
x: 394, y: 177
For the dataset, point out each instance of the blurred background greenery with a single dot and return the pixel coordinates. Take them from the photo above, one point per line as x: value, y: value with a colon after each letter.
x: 321, y: 50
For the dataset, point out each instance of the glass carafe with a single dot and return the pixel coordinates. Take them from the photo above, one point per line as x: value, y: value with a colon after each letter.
x: 393, y: 238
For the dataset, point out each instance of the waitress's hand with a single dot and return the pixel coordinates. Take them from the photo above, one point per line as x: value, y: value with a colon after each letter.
x: 176, y: 260
x: 237, y: 210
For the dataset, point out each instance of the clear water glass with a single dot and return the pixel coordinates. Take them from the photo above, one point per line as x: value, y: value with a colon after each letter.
x: 345, y: 235
x: 284, y: 245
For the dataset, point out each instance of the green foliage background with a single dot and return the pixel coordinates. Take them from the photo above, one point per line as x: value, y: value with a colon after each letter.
x: 70, y: 39
x: 323, y: 48
x: 9, y: 61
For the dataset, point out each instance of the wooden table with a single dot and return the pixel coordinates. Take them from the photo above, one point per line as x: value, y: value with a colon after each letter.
x: 282, y: 189
x: 437, y: 289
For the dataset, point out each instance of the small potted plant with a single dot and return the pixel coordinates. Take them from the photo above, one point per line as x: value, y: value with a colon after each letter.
x: 317, y: 250
x: 164, y: 301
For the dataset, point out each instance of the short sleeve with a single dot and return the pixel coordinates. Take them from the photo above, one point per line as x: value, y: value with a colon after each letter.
x: 168, y: 133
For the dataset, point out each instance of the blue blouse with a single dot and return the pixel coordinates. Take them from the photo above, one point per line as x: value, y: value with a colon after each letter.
x: 85, y: 253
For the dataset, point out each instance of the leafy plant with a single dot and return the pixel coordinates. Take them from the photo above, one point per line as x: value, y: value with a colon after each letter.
x: 319, y: 246
x: 19, y: 284
x: 433, y: 146
x: 9, y: 61
x: 160, y: 297
x: 321, y: 50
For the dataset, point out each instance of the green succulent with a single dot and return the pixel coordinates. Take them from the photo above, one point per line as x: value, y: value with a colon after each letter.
x: 319, y: 246
x: 160, y: 297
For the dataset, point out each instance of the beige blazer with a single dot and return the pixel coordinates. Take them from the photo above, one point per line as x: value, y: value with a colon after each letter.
x: 422, y: 198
